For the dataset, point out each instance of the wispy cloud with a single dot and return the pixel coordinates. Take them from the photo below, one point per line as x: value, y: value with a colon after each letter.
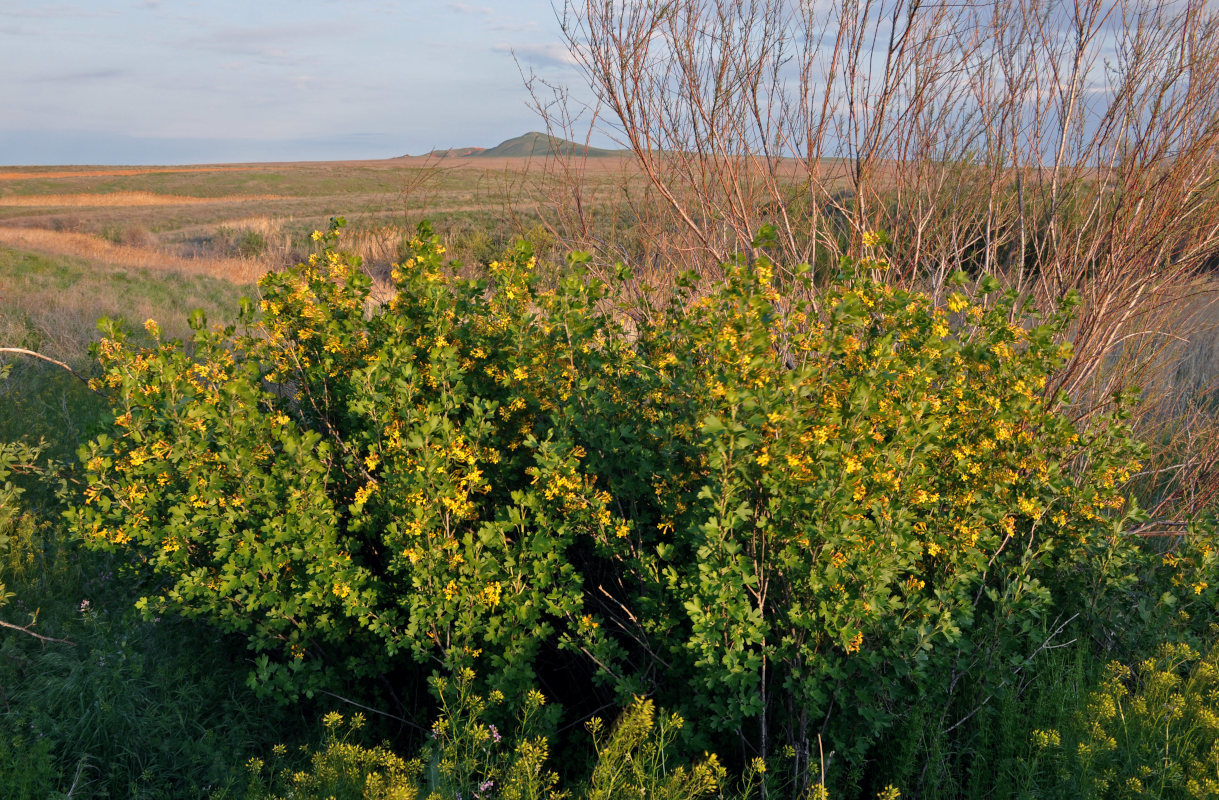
x: 516, y: 27
x: 272, y: 43
x: 542, y: 54
x: 58, y: 11
x: 82, y: 77
x: 465, y: 8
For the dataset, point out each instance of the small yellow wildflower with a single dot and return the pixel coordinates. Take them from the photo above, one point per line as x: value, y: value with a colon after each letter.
x: 855, y: 643
x: 491, y: 593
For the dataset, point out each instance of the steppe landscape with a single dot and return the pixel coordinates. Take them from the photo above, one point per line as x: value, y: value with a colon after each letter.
x: 851, y: 433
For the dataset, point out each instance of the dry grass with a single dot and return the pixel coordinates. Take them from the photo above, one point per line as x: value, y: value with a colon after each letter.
x: 41, y: 172
x: 95, y: 248
x: 108, y: 199
x: 1177, y: 363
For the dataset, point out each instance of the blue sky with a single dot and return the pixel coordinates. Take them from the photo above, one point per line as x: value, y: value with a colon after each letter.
x: 196, y: 81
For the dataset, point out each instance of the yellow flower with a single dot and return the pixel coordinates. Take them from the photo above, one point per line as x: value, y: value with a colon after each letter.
x: 491, y: 593
x: 1027, y: 506
x: 871, y: 238
x: 855, y: 643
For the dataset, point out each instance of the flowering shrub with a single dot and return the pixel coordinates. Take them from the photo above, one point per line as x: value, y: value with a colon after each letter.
x: 783, y: 507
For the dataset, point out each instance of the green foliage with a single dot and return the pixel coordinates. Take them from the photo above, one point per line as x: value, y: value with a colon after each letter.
x: 785, y: 510
x: 631, y: 760
x: 468, y: 754
x: 19, y: 528
x: 468, y: 757
x: 27, y: 769
x: 1147, y: 732
x: 107, y: 704
x: 252, y: 244
x: 341, y: 770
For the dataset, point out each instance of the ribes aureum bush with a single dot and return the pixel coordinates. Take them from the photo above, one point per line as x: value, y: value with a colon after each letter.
x: 786, y: 510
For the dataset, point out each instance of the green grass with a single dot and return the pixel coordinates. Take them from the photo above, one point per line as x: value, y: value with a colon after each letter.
x: 133, y: 707
x: 125, y: 706
x: 54, y: 303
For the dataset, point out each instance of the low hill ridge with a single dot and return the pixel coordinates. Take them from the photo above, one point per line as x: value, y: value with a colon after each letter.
x: 456, y: 152
x: 530, y: 145
x: 540, y: 144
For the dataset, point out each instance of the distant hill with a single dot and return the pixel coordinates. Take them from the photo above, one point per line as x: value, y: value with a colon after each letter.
x: 530, y: 145
x: 539, y: 144
x: 456, y: 152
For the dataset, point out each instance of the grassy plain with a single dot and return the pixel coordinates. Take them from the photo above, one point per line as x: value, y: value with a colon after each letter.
x: 200, y: 213
x: 84, y: 242
x: 79, y: 243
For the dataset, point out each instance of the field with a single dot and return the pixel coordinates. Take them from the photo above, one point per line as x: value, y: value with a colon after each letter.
x: 411, y: 512
x: 201, y: 216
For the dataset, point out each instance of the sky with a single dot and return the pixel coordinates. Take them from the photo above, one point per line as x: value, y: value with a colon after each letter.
x: 215, y: 81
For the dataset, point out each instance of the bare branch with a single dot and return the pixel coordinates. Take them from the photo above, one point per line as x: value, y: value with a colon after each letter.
x: 26, y: 630
x: 21, y: 351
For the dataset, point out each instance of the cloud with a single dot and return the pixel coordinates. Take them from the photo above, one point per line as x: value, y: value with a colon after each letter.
x: 57, y: 10
x: 271, y: 43
x: 550, y: 54
x: 80, y: 77
x: 464, y: 8
x: 516, y: 27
